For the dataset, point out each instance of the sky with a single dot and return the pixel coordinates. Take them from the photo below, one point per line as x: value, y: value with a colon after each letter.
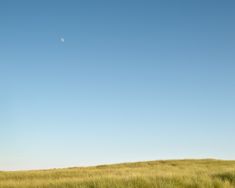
x: 93, y: 82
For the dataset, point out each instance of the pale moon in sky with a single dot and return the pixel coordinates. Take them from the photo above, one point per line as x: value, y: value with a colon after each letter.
x: 61, y: 39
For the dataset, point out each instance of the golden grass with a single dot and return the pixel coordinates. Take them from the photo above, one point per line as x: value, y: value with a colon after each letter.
x: 162, y: 174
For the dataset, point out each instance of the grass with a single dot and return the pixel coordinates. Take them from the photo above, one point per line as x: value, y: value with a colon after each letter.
x: 160, y: 174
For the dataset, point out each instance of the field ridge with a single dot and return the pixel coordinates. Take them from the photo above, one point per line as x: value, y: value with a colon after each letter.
x: 184, y: 173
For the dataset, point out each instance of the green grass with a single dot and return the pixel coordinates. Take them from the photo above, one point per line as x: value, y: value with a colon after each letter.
x: 162, y: 174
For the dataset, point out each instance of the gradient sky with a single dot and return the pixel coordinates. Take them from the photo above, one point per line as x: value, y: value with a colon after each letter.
x: 133, y: 80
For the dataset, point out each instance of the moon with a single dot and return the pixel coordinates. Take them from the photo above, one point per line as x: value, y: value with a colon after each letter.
x: 61, y: 39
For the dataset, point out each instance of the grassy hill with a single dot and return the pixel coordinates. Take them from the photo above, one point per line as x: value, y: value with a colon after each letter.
x: 164, y: 174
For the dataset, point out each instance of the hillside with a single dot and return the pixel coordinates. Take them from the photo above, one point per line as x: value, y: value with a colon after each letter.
x: 164, y: 174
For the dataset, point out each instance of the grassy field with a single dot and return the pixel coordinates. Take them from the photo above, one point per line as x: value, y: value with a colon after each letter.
x: 164, y: 174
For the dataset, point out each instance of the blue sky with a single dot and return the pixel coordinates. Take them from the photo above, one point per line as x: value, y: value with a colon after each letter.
x: 133, y: 80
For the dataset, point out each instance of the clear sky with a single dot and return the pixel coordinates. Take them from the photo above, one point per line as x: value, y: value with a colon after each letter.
x: 132, y: 80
